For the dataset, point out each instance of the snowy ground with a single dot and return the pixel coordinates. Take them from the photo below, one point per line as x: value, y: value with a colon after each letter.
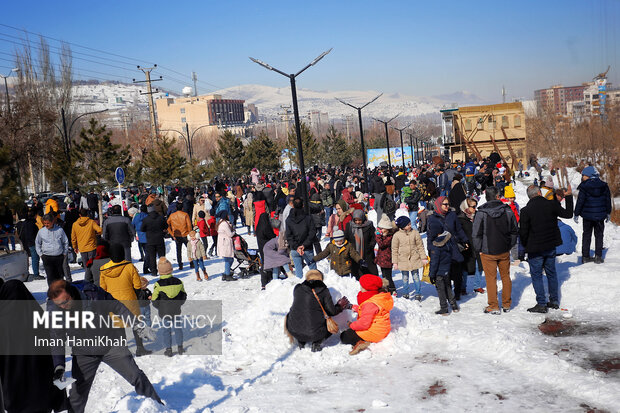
x: 468, y: 361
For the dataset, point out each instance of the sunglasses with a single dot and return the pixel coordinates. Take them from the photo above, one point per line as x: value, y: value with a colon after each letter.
x: 445, y: 204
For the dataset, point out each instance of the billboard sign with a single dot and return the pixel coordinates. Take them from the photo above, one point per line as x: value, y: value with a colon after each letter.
x: 378, y: 155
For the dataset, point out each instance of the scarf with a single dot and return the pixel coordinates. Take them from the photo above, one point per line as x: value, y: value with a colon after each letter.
x: 194, y: 242
x: 358, y: 233
x: 438, y: 203
x: 365, y: 295
x: 470, y: 216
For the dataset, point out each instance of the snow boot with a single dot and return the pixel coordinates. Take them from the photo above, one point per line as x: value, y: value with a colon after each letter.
x: 141, y: 351
x: 406, y: 296
x: 585, y: 260
x: 553, y: 305
x: 455, y: 307
x: 494, y: 311
x: 301, y: 345
x: 316, y: 347
x: 442, y: 312
x: 418, y: 297
x: 168, y: 352
x: 538, y: 309
x: 198, y: 276
x: 181, y: 350
x: 359, y: 346
x: 205, y: 276
x: 598, y: 259
x: 506, y: 309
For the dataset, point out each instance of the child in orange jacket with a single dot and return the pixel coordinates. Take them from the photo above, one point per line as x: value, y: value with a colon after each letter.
x: 373, y: 314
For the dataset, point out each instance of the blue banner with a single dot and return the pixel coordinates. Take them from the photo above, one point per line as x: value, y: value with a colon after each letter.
x: 376, y: 156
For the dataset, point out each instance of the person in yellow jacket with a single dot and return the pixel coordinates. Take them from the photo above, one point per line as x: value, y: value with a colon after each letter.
x: 373, y: 314
x: 120, y: 278
x: 84, y: 240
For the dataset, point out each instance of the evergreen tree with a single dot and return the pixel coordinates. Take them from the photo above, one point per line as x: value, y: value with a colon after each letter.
x: 163, y: 163
x: 262, y: 153
x: 230, y: 153
x: 61, y: 168
x: 11, y: 191
x: 97, y: 157
x: 308, y: 144
x: 335, y: 148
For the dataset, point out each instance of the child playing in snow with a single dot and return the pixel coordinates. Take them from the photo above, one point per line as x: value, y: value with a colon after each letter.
x: 168, y: 297
x: 439, y: 272
x: 408, y: 255
x: 203, y: 227
x: 341, y: 253
x: 196, y: 254
x: 373, y: 314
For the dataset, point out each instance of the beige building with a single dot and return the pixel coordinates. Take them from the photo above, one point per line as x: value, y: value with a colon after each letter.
x: 478, y: 131
x: 208, y: 112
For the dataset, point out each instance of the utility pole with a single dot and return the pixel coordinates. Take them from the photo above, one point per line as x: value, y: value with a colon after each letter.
x: 402, y: 148
x: 125, y: 117
x: 149, y: 91
x: 503, y: 94
x: 195, y: 79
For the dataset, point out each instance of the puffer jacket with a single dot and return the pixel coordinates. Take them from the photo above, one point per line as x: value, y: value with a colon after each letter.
x: 179, y: 224
x: 495, y: 228
x: 118, y: 229
x: 378, y: 306
x: 594, y: 200
x: 384, y: 254
x: 437, y: 223
x: 84, y: 234
x: 121, y: 279
x: 408, y: 250
x: 340, y: 257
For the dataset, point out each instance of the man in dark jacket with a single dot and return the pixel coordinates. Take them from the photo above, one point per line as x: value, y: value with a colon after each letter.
x: 300, y: 234
x: 540, y: 235
x: 154, y: 225
x: 27, y: 232
x: 117, y: 229
x: 84, y: 296
x: 594, y: 206
x: 327, y: 198
x: 494, y: 233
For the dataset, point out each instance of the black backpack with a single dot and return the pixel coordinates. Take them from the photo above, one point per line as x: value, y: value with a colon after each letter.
x: 388, y: 206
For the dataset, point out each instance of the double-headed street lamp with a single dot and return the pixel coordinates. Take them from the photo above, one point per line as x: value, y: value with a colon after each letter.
x: 387, y: 139
x: 359, y: 115
x: 6, y: 87
x: 189, y: 138
x: 414, y: 149
x: 300, y: 151
x: 402, y: 148
x: 67, y: 135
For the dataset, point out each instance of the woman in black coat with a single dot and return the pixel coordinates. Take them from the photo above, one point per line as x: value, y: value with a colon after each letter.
x: 361, y: 234
x: 305, y: 321
x: 444, y: 219
x: 470, y: 255
x: 264, y: 232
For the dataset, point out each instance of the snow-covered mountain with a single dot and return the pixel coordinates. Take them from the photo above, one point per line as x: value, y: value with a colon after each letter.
x: 270, y: 99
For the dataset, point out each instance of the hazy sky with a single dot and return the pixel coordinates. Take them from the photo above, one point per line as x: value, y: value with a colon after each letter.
x: 409, y: 47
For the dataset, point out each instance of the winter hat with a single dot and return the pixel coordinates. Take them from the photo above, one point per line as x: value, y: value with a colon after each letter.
x: 402, y: 222
x: 359, y: 214
x: 143, y: 283
x: 371, y: 282
x: 438, y: 203
x: 164, y: 267
x: 343, y: 204
x: 590, y: 172
x: 117, y: 253
x: 385, y: 223
x: 314, y: 275
x: 338, y: 235
x: 509, y: 192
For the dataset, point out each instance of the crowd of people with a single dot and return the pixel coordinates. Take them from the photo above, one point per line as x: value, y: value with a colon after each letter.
x: 373, y: 225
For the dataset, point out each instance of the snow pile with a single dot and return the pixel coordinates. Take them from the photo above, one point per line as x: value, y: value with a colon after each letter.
x: 468, y: 361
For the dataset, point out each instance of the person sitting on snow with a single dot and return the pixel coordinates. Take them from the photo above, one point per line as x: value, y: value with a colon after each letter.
x: 373, y: 314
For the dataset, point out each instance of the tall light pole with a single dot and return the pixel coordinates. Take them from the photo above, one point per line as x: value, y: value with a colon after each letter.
x: 187, y: 137
x: 67, y: 135
x: 6, y: 87
x: 414, y: 149
x: 300, y: 151
x: 359, y: 116
x: 387, y: 139
x: 402, y: 148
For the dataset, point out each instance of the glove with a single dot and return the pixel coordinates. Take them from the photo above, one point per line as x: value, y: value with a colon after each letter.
x: 576, y: 219
x: 433, y: 279
x: 59, y: 373
x: 344, y: 303
x: 608, y: 218
x: 146, y: 333
x: 363, y: 263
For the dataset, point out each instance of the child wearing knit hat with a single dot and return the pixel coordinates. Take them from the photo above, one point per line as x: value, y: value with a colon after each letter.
x: 168, y: 297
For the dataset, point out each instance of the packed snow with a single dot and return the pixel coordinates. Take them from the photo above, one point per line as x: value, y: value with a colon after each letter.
x: 468, y: 361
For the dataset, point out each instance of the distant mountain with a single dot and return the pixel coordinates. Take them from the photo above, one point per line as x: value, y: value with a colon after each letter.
x: 463, y: 98
x: 270, y: 99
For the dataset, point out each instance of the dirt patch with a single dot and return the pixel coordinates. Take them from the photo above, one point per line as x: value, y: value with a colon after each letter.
x: 605, y: 364
x: 589, y: 409
x: 436, y: 388
x: 565, y: 328
x: 498, y: 395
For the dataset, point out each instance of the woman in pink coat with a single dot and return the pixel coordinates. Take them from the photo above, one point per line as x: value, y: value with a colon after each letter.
x: 225, y: 247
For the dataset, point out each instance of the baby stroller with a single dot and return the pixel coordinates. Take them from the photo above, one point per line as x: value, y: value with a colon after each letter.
x: 248, y: 261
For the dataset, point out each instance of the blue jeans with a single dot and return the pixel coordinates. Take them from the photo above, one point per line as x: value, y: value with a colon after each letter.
x: 328, y: 213
x: 413, y: 216
x: 276, y: 271
x: 538, y: 261
x: 35, y: 260
x: 178, y: 336
x: 146, y: 312
x: 227, y: 264
x: 477, y: 278
x: 199, y: 263
x: 298, y: 261
x: 417, y: 285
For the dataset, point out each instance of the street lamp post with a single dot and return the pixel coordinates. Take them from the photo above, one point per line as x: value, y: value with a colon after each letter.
x: 66, y: 135
x: 414, y: 149
x: 187, y: 137
x: 300, y: 151
x: 359, y: 116
x: 387, y: 139
x: 6, y: 88
x: 402, y: 148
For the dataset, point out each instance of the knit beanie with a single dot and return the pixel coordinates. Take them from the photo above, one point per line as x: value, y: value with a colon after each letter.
x: 385, y: 223
x: 371, y: 282
x: 589, y: 171
x: 402, y: 222
x: 338, y: 235
x: 509, y: 192
x: 164, y: 267
x: 314, y: 275
x: 117, y: 253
